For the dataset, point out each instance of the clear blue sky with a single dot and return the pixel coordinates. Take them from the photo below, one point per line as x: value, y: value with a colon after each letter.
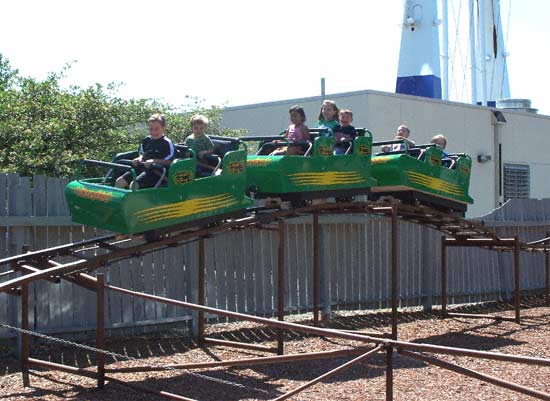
x: 243, y: 51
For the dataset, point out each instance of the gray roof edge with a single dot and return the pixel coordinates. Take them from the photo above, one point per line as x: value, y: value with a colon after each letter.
x: 301, y: 99
x: 381, y: 93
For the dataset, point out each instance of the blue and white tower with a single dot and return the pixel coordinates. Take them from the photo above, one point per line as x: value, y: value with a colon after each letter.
x: 419, y: 58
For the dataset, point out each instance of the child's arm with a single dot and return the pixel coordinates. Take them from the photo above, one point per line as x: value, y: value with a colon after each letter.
x: 306, y: 133
x: 139, y: 158
x: 203, y: 153
x: 210, y: 149
x: 162, y: 162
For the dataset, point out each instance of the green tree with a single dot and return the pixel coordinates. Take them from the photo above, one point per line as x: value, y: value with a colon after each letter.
x: 47, y: 129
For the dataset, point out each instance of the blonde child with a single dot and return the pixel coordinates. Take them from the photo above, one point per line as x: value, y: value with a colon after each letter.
x: 403, y: 133
x: 441, y: 141
x: 200, y: 143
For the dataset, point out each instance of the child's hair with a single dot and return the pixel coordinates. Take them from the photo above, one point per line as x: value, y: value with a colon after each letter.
x: 438, y: 137
x: 346, y: 111
x: 158, y: 118
x: 299, y: 110
x: 198, y: 117
x: 333, y: 104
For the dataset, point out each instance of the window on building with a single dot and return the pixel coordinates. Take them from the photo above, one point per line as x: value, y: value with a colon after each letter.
x: 516, y: 181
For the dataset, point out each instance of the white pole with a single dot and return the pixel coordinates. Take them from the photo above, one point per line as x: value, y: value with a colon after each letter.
x: 473, y: 61
x: 483, y: 50
x: 445, y: 48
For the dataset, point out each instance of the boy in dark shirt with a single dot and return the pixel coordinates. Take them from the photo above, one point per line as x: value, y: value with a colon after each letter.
x: 156, y: 148
x: 345, y: 133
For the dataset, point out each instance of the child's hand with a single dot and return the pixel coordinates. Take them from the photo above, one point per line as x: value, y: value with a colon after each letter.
x: 136, y: 161
x: 148, y: 163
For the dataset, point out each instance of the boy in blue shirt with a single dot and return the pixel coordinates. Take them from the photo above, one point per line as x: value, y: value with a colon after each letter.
x: 156, y: 148
x: 344, y: 133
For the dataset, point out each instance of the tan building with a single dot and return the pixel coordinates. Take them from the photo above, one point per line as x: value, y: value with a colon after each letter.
x: 510, y: 149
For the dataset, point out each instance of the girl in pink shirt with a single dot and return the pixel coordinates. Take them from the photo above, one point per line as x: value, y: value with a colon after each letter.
x: 297, y: 131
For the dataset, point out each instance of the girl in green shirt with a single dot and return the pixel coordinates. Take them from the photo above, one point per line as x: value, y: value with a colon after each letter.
x: 328, y: 116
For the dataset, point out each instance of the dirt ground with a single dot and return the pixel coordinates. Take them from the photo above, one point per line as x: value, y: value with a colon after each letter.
x: 413, y: 380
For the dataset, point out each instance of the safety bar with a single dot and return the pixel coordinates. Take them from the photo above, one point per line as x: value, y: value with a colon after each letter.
x: 260, y: 138
x: 109, y: 165
x: 391, y: 142
x: 106, y: 164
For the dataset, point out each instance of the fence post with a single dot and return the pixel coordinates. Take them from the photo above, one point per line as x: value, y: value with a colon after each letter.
x: 517, y: 285
x: 427, y: 269
x: 281, y: 286
x: 547, y: 265
x: 316, y: 257
x: 15, y: 309
x: 443, y: 276
x: 202, y: 300
x: 24, y: 336
x: 394, y: 273
x: 100, y: 330
x: 324, y: 279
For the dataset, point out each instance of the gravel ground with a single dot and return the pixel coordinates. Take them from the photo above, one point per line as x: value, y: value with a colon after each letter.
x: 365, y: 381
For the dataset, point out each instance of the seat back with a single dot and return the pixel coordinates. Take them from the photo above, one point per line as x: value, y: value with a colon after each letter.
x: 180, y: 152
x: 449, y: 163
x: 221, y: 147
x: 417, y: 153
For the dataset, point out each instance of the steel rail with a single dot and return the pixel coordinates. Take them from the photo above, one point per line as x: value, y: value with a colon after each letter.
x: 334, y: 333
x: 264, y: 360
x: 418, y: 214
x: 54, y: 251
x: 477, y: 375
x: 331, y: 373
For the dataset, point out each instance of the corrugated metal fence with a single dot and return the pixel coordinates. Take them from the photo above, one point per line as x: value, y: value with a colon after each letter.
x: 241, y: 267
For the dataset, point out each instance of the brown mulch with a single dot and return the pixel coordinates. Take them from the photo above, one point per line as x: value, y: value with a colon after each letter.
x: 365, y: 381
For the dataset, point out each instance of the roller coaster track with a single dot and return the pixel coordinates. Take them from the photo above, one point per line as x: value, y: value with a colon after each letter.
x: 89, y: 255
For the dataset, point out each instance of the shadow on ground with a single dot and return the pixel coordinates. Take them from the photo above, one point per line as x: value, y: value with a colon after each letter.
x: 260, y: 381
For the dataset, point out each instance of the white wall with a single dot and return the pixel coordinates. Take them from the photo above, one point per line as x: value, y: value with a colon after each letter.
x: 470, y: 129
x: 526, y: 140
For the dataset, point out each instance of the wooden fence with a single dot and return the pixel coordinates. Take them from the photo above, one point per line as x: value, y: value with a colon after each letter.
x: 241, y: 267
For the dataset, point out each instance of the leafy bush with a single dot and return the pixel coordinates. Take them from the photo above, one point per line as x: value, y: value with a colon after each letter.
x: 46, y: 129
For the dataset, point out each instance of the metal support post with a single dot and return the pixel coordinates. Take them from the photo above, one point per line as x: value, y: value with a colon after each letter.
x: 100, y: 330
x: 443, y: 277
x: 15, y: 308
x: 316, y: 268
x: 389, y: 373
x: 394, y: 273
x: 202, y: 300
x: 25, y: 351
x: 281, y: 287
x: 517, y: 287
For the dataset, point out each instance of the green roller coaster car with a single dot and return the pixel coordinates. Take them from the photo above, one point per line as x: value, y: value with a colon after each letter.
x: 423, y: 174
x: 179, y: 199
x: 317, y: 174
